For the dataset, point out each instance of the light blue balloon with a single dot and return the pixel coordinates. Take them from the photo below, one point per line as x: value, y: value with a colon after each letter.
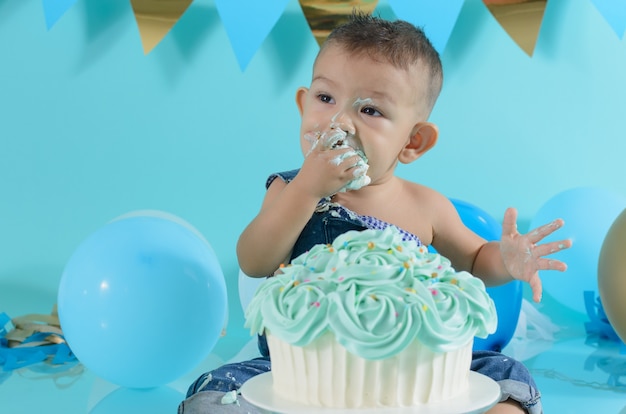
x: 142, y: 300
x: 588, y: 213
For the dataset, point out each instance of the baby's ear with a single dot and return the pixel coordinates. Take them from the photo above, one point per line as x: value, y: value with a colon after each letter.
x: 423, y: 137
x: 300, y: 98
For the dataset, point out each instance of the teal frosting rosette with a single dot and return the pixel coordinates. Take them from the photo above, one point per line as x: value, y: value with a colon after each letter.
x: 376, y: 293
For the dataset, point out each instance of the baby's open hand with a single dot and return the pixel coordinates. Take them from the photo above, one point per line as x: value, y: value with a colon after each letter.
x: 523, y: 257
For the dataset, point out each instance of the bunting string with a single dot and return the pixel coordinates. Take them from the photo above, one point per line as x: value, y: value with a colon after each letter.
x: 249, y: 22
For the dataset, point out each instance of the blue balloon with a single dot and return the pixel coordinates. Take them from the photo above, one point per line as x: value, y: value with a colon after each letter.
x: 507, y: 297
x: 588, y: 213
x: 142, y: 300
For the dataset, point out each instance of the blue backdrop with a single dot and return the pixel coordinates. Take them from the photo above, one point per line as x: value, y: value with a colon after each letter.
x: 91, y: 128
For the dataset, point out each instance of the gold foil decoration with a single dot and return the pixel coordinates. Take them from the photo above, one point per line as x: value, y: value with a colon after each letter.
x: 27, y: 325
x: 324, y: 15
x: 155, y: 18
x: 612, y: 275
x: 521, y: 19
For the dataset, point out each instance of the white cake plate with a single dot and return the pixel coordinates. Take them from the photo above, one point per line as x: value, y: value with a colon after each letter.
x: 483, y: 394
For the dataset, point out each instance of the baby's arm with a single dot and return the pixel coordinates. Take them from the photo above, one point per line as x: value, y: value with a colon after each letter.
x: 268, y: 240
x: 515, y: 256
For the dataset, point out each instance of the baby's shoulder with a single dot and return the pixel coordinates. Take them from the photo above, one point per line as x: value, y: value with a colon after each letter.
x: 422, y: 194
x: 429, y: 203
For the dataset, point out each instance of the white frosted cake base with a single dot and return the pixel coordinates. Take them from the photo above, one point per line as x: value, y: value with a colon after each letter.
x: 325, y: 374
x: 483, y: 394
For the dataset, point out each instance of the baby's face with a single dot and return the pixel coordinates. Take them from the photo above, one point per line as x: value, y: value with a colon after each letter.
x: 376, y: 105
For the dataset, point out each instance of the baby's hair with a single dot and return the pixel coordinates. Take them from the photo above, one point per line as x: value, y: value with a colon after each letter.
x: 397, y: 42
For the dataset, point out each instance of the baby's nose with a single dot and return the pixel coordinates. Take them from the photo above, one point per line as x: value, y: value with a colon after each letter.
x: 341, y: 120
x: 346, y: 127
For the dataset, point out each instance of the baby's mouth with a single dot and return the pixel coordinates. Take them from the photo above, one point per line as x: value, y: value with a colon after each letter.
x: 337, y: 138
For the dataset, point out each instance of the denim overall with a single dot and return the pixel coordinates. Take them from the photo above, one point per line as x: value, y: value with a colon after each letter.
x: 328, y: 222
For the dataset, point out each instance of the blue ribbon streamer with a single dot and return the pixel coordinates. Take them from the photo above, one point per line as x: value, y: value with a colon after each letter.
x: 20, y: 357
x: 598, y: 323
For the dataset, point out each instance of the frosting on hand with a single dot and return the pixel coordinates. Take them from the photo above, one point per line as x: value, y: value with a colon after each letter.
x: 336, y: 138
x: 376, y: 293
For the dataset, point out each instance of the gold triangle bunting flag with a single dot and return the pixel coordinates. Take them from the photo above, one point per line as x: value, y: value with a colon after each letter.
x: 324, y: 15
x: 521, y: 19
x: 155, y: 18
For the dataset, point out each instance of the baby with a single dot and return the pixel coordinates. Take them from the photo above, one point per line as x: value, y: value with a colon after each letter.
x: 374, y: 85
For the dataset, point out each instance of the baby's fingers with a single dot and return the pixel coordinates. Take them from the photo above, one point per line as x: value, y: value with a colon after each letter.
x: 552, y: 247
x: 536, y: 287
x: 343, y: 155
x: 509, y: 223
x: 541, y: 232
x: 551, y: 264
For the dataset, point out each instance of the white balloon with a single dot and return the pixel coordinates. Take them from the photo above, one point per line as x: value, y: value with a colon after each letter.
x: 247, y: 287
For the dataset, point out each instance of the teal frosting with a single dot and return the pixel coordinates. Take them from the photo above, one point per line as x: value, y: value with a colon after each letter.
x: 376, y: 293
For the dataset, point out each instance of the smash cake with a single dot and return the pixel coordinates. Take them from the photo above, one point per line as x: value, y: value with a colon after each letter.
x: 370, y: 320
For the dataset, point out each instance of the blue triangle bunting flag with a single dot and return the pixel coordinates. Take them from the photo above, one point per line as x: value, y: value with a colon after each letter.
x: 614, y: 12
x: 247, y: 24
x: 54, y: 9
x: 436, y: 17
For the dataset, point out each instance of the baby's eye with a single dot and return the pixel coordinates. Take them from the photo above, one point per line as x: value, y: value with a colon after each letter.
x: 368, y: 110
x: 325, y: 98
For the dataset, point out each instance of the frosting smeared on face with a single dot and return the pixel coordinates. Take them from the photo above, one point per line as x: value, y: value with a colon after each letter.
x: 341, y: 136
x: 360, y: 102
x: 337, y: 139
